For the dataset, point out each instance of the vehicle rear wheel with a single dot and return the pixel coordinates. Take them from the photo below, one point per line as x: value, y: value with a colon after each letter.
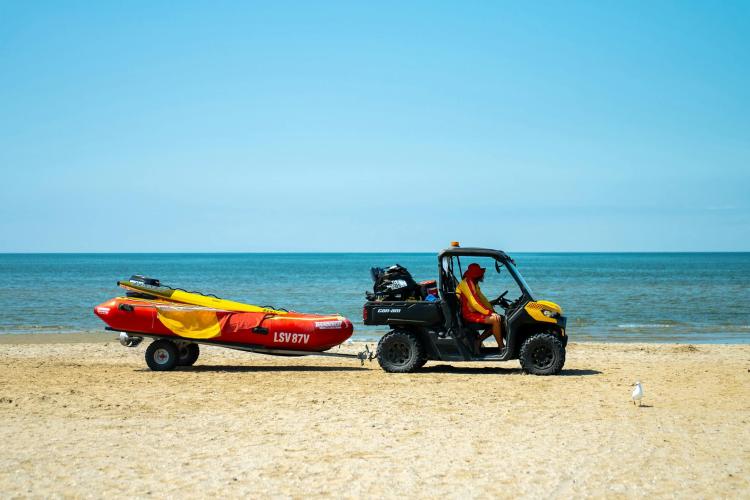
x: 542, y: 354
x: 187, y: 354
x: 161, y: 355
x: 400, y: 352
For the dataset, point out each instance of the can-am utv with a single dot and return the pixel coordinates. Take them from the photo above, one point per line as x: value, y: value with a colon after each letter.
x: 425, y: 327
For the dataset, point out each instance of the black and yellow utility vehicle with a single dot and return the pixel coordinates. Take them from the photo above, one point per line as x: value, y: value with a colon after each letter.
x: 425, y: 319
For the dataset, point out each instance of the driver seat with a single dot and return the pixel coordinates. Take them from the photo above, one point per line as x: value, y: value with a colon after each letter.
x: 455, y: 305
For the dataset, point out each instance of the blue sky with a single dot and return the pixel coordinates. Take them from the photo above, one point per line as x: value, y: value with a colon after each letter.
x: 283, y: 126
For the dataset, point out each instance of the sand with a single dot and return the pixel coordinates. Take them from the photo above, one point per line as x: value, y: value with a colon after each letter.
x: 89, y: 420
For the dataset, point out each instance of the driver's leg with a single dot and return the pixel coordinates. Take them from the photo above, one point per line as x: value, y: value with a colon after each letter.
x: 497, y: 330
x: 494, y: 322
x: 484, y: 335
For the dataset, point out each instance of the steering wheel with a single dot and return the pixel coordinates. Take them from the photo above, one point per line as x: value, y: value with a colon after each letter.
x: 501, y: 300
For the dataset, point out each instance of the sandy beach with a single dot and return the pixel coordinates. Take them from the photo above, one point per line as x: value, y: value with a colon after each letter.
x: 83, y: 417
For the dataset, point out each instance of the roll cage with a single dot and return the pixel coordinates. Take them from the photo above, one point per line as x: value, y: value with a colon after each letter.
x: 448, y: 279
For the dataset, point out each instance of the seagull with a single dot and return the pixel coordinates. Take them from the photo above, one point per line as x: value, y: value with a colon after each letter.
x: 637, y: 393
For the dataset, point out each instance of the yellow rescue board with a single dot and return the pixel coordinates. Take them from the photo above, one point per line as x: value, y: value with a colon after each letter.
x: 197, y: 299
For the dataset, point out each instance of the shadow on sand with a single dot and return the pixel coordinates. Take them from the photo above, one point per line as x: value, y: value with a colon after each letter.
x: 262, y: 369
x: 578, y: 373
x: 459, y: 370
x: 484, y: 370
x: 466, y: 370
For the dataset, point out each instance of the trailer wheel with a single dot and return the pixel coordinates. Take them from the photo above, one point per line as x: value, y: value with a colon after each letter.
x: 400, y: 352
x: 161, y: 355
x: 187, y: 354
x: 542, y: 354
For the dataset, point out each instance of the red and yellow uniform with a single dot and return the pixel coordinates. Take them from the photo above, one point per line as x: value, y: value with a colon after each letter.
x: 475, y: 308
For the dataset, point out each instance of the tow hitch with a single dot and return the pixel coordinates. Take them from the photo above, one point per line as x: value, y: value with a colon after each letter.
x: 365, y: 355
x: 129, y: 341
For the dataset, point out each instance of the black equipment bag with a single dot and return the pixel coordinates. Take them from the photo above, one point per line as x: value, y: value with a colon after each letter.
x: 393, y: 283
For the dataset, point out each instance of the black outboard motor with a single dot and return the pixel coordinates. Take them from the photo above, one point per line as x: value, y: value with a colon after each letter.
x: 393, y: 283
x: 141, y: 280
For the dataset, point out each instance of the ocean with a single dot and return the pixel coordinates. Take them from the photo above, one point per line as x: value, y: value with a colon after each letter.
x: 628, y: 297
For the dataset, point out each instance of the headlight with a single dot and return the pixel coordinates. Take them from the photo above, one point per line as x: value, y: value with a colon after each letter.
x: 550, y: 314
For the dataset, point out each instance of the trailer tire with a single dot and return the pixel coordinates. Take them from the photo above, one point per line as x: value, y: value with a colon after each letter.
x: 161, y: 355
x: 400, y: 351
x: 542, y: 354
x: 187, y: 354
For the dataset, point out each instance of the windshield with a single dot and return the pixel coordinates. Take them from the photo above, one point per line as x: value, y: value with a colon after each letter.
x: 515, y: 272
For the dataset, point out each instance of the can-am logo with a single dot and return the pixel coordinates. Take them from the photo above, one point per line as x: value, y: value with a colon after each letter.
x: 389, y: 311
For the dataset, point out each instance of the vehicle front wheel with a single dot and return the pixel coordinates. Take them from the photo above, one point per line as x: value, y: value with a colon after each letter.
x: 400, y: 352
x: 187, y: 354
x: 161, y: 355
x: 542, y: 354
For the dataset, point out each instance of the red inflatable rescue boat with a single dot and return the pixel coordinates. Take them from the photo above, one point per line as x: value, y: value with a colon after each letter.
x: 181, y: 320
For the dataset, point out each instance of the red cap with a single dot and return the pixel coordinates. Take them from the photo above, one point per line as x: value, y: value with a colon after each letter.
x: 474, y: 271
